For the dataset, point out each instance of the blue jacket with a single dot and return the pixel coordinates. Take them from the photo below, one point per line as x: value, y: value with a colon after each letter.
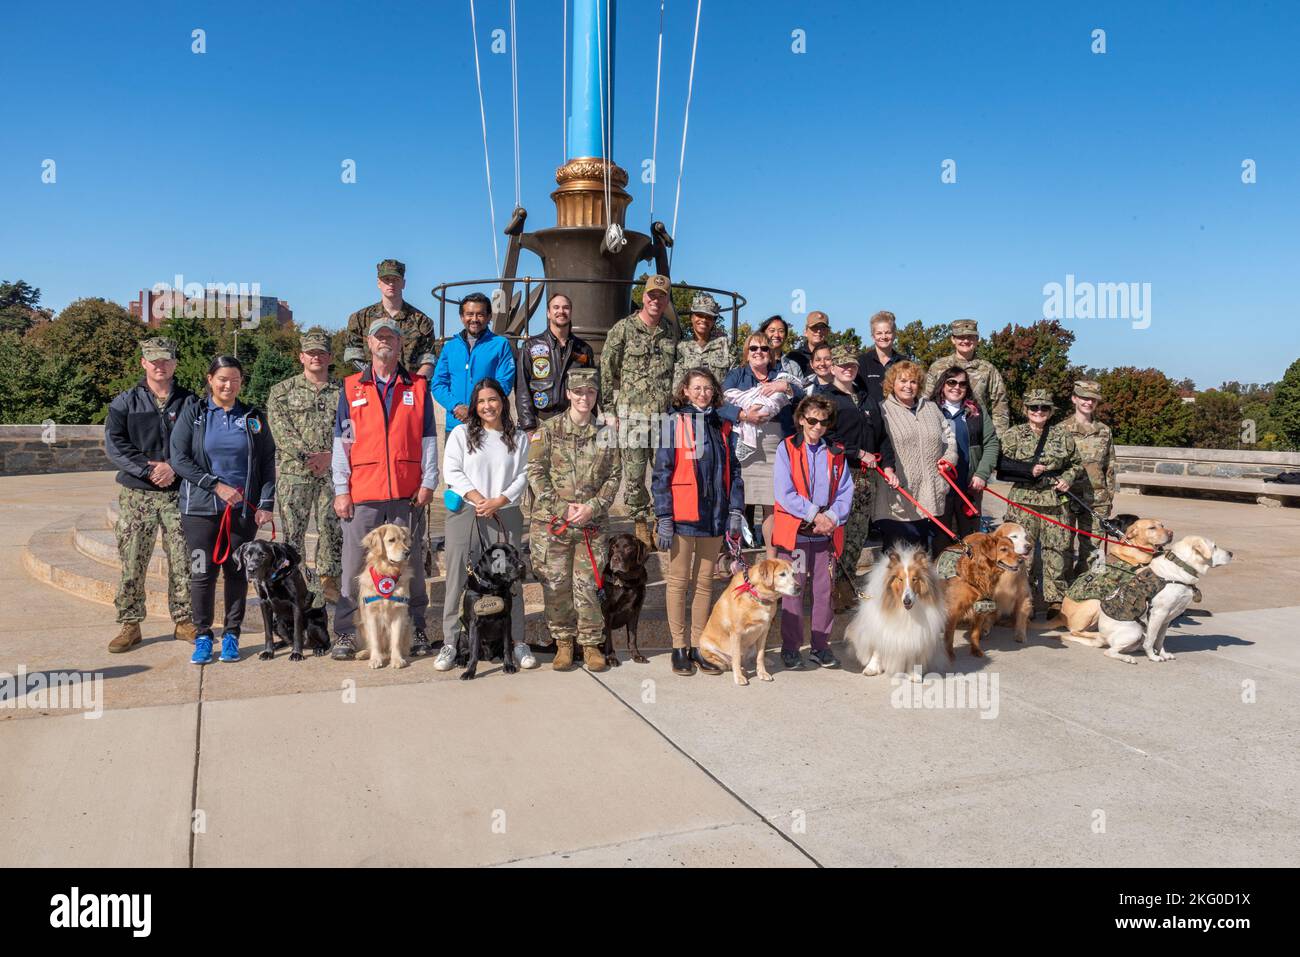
x: 715, y: 501
x: 742, y: 377
x: 190, y: 461
x: 460, y: 368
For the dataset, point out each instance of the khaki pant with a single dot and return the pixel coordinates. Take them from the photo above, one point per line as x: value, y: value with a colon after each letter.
x: 690, y: 560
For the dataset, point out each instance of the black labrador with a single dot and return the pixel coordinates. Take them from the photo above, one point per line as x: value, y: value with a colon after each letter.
x: 276, y: 570
x: 624, y: 577
x: 485, y: 609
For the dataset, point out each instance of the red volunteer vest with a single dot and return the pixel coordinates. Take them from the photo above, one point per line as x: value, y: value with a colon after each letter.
x: 685, y: 488
x: 786, y: 526
x: 386, y: 456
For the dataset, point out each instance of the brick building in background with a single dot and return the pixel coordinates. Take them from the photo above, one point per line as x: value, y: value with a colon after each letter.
x: 153, y: 308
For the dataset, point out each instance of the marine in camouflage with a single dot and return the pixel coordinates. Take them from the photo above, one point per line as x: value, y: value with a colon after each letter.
x: 418, y: 347
x: 1094, y: 485
x: 986, y: 386
x: 140, y: 513
x: 571, y: 463
x: 714, y: 355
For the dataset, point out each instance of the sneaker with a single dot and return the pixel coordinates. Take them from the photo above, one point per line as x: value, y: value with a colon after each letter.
x: 824, y: 658
x: 524, y: 656
x: 202, y: 649
x: 420, y: 644
x: 791, y: 660
x: 344, y: 649
x: 230, y: 646
x: 446, y: 658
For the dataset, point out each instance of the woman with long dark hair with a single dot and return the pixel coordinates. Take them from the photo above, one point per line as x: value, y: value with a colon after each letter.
x: 223, y: 451
x: 485, y: 466
x: 977, y: 448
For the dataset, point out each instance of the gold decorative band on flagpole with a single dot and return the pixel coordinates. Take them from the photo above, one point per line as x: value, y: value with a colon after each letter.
x: 580, y: 198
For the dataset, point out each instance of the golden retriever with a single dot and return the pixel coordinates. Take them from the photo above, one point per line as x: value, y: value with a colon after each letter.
x: 740, y: 621
x: 977, y: 577
x: 1012, y: 594
x: 383, y: 598
x: 1080, y: 618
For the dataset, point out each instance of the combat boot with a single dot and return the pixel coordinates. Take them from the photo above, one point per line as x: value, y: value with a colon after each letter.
x: 128, y: 637
x: 185, y: 631
x: 329, y: 589
x: 563, y: 655
x: 594, y: 658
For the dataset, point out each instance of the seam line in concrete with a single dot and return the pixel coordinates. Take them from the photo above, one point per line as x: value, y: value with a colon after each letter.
x: 1076, y: 724
x: 630, y: 840
x: 198, y: 746
x: 711, y: 776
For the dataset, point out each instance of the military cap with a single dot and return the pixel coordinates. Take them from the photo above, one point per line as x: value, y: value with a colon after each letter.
x: 844, y: 355
x: 583, y: 379
x: 817, y: 318
x: 1039, y: 397
x: 157, y: 348
x: 1087, y: 389
x: 964, y: 327
x: 314, y: 338
x: 391, y: 267
x: 384, y: 323
x: 659, y: 284
x: 704, y: 304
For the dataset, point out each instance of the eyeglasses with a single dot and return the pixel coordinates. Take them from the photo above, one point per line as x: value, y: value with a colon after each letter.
x: 760, y: 348
x: 1039, y: 408
x: 822, y: 423
x: 960, y: 382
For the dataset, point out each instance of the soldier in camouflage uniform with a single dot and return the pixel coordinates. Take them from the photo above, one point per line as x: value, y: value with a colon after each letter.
x: 636, y: 367
x: 418, y: 353
x: 1096, y: 483
x: 1045, y: 493
x: 137, y: 438
x: 301, y: 412
x: 574, y: 472
x: 986, y: 381
x: 709, y: 348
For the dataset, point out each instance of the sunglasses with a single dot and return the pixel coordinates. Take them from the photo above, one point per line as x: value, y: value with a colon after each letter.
x: 960, y: 382
x: 811, y: 421
x: 1039, y: 408
x: 760, y: 348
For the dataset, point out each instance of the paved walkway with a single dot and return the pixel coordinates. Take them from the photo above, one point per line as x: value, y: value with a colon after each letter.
x: 1080, y: 760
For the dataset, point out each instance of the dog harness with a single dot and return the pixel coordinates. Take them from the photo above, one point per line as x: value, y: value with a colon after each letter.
x: 1131, y: 599
x: 946, y: 568
x: 385, y: 585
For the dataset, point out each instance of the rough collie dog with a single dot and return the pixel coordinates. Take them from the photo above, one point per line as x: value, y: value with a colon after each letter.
x: 899, y: 627
x: 384, y: 596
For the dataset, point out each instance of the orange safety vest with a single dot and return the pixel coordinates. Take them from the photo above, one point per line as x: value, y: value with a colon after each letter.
x: 785, y: 525
x: 386, y: 456
x: 684, y: 487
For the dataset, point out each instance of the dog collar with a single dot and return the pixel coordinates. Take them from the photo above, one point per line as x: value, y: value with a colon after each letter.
x: 747, y: 588
x: 280, y: 571
x: 385, y: 585
x: 1178, y: 562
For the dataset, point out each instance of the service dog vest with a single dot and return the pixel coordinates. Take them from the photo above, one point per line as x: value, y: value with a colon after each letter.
x: 387, y: 450
x: 786, y: 526
x: 946, y: 567
x: 685, y: 487
x: 1132, y: 598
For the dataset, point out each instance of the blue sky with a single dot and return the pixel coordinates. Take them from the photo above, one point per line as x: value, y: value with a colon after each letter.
x: 817, y: 171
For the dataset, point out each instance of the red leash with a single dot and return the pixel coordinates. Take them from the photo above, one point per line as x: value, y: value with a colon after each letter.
x: 223, y: 532
x: 919, y: 507
x: 947, y: 471
x: 586, y: 540
x: 1100, y: 538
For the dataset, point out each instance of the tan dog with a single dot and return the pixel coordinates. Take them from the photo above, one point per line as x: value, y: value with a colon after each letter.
x: 384, y: 597
x: 978, y: 574
x: 1079, y: 618
x: 1014, y: 600
x: 742, y: 617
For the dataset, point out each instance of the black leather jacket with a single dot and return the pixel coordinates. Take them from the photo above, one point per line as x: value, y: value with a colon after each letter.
x: 542, y: 366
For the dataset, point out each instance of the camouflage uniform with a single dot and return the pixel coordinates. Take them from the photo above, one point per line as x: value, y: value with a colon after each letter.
x: 139, y: 515
x: 715, y: 355
x: 1058, y: 453
x: 986, y: 386
x: 1096, y: 483
x: 636, y: 369
x: 417, y: 329
x: 571, y: 463
x: 301, y: 417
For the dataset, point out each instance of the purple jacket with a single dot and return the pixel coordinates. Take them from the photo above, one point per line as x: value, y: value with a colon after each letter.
x: 796, y: 504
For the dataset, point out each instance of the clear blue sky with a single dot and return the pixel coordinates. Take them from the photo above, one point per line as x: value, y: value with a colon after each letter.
x: 817, y: 171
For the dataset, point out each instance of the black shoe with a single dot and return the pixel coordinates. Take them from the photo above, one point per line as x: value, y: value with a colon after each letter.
x: 420, y: 644
x: 682, y: 664
x: 344, y: 648
x: 705, y: 666
x: 791, y: 660
x: 823, y: 658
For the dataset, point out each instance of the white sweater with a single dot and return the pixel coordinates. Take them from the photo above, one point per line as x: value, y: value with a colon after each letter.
x: 492, y: 470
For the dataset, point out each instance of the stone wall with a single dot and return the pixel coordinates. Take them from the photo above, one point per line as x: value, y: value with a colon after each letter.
x: 1219, y: 463
x: 36, y: 449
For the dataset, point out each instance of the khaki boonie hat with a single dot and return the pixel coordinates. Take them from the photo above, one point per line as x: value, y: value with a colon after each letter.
x: 844, y: 356
x: 1039, y: 397
x: 964, y: 327
x: 582, y: 379
x: 157, y: 348
x: 391, y: 267
x: 1088, y: 389
x: 658, y: 284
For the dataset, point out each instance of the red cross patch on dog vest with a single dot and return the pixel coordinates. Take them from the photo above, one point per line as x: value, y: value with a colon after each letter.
x: 384, y: 584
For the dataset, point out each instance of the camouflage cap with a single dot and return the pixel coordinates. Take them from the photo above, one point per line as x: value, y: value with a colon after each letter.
x: 391, y: 267
x: 582, y: 379
x: 157, y: 348
x: 658, y: 283
x: 1039, y: 397
x: 817, y: 318
x: 314, y: 338
x: 964, y: 327
x: 844, y: 355
x: 384, y: 323
x: 1088, y: 389
x: 704, y: 304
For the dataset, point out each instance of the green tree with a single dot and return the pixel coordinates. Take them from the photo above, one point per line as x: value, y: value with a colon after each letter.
x: 1216, y: 420
x: 1285, y: 407
x: 923, y: 343
x: 271, y: 366
x: 18, y: 307
x: 1143, y: 408
x: 37, y: 385
x: 98, y: 336
x: 1036, y: 356
x: 195, y: 348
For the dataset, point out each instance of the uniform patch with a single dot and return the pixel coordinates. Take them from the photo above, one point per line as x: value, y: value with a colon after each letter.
x: 539, y: 349
x: 541, y: 399
x: 541, y: 367
x: 254, y: 425
x: 408, y: 398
